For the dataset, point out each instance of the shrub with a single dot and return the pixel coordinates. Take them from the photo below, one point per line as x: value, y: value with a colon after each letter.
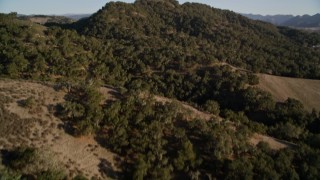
x: 82, y: 110
x: 28, y: 103
x: 212, y: 107
x: 51, y: 175
x: 253, y: 79
x: 80, y: 177
x: 19, y: 158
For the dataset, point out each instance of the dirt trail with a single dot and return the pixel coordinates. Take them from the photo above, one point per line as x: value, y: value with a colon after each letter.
x: 274, y: 143
x: 193, y: 112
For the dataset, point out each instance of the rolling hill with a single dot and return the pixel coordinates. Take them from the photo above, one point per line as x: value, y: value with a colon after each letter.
x: 43, y: 19
x: 220, y: 35
x: 157, y: 90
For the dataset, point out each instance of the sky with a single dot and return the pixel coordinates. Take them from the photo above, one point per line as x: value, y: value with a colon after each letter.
x: 263, y: 7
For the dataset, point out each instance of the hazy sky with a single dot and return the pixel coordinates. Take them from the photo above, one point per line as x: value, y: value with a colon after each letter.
x: 295, y: 7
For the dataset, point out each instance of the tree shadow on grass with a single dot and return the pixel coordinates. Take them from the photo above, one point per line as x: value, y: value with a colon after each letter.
x: 106, y: 169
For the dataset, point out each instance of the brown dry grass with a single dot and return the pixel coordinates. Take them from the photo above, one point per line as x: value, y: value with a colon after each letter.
x: 40, y: 20
x: 305, y: 90
x: 274, y: 144
x: 41, y: 129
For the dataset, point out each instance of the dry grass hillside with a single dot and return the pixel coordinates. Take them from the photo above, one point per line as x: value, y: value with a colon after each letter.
x: 305, y: 90
x: 37, y: 126
x: 43, y: 19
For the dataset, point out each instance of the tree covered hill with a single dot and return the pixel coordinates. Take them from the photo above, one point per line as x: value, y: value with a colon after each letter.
x: 201, y: 34
x: 43, y: 19
x: 180, y: 52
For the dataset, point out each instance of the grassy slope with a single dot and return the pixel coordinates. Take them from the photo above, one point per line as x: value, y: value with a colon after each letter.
x: 78, y: 155
x: 305, y: 90
x: 42, y: 19
x: 38, y: 127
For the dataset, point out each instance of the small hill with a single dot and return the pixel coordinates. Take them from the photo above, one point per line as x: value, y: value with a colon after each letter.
x: 43, y: 19
x: 305, y: 90
x: 199, y: 34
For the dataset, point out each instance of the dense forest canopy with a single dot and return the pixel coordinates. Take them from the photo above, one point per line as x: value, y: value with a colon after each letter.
x: 202, y: 34
x: 182, y: 52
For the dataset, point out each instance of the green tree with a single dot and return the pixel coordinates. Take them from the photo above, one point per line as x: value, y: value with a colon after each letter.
x: 83, y: 109
x: 141, y: 169
x: 187, y: 158
x: 212, y: 107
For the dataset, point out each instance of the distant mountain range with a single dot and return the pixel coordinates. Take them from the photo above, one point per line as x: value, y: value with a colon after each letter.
x: 305, y: 21
x: 76, y: 16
